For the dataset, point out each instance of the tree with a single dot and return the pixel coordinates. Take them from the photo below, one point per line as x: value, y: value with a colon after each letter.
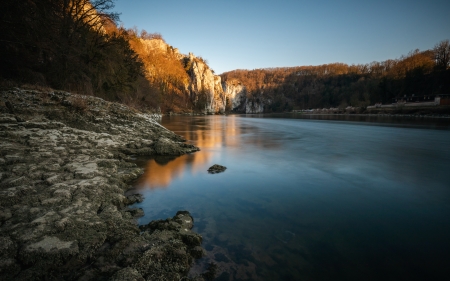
x: 442, y: 54
x: 64, y: 44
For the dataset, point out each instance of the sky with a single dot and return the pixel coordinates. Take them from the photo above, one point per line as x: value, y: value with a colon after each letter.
x: 252, y: 34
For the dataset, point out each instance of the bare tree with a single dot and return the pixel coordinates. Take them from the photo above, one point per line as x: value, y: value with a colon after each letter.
x: 442, y: 54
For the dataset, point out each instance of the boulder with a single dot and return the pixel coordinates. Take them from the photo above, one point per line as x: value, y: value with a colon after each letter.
x: 214, y: 169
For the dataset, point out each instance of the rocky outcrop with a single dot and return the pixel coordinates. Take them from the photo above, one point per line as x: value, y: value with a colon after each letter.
x: 205, y: 87
x: 157, y: 45
x: 216, y: 96
x: 64, y: 168
x: 216, y: 168
x: 154, y: 45
x: 236, y: 94
x: 207, y: 92
x: 240, y: 100
x: 220, y: 99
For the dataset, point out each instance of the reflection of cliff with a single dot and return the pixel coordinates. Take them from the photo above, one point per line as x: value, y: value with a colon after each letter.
x: 158, y: 175
x: 209, y: 134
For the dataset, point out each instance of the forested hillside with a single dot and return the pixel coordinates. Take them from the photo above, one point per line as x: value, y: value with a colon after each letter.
x: 419, y: 73
x: 77, y: 46
x: 67, y: 45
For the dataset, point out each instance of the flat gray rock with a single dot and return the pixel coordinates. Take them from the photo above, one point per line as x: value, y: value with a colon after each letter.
x: 64, y: 172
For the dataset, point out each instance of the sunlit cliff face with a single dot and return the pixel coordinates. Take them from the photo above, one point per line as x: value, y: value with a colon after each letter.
x: 209, y: 134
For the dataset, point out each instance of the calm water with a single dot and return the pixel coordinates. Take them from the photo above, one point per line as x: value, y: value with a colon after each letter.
x: 311, y: 199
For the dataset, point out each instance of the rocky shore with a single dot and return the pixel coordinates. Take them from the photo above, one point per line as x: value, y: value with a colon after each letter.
x: 64, y: 168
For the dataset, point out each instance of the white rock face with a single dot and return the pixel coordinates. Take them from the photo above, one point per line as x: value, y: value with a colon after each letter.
x: 152, y: 45
x: 205, y: 87
x: 236, y: 94
x: 207, y: 90
x: 220, y: 99
x: 159, y: 46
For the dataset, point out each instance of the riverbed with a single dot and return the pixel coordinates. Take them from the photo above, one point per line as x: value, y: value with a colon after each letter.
x: 310, y: 198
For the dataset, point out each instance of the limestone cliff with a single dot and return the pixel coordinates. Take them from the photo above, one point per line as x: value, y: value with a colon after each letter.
x: 241, y: 100
x: 157, y: 45
x: 212, y: 95
x: 205, y: 87
x: 199, y: 89
x: 236, y: 94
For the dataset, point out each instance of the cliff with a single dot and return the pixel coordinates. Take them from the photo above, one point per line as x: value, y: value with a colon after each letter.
x: 186, y: 82
x: 236, y: 94
x: 156, y: 45
x: 241, y: 100
x: 205, y: 88
x: 212, y: 95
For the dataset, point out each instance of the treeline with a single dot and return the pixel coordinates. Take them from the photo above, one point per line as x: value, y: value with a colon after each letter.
x: 340, y: 85
x: 74, y: 45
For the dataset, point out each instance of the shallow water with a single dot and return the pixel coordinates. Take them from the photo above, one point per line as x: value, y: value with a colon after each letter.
x: 309, y: 199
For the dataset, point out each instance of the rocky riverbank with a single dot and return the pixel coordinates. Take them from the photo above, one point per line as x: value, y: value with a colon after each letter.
x: 64, y: 168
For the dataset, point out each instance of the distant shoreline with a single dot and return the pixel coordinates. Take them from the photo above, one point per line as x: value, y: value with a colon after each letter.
x: 379, y: 114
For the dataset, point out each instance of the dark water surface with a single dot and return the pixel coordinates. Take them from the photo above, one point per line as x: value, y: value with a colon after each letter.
x: 310, y: 199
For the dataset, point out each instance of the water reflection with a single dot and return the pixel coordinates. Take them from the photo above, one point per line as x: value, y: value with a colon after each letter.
x: 160, y: 171
x: 211, y: 135
x: 309, y: 199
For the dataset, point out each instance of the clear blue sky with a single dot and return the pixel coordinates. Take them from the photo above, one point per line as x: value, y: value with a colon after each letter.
x: 250, y: 34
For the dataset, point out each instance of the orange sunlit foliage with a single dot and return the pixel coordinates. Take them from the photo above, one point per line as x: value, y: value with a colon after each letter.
x: 341, y: 85
x: 163, y: 68
x: 415, y: 60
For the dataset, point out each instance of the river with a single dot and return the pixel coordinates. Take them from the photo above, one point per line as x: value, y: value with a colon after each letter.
x: 310, y: 198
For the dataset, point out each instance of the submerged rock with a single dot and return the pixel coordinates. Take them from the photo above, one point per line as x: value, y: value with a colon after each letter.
x: 214, y: 169
x: 63, y: 173
x: 175, y: 247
